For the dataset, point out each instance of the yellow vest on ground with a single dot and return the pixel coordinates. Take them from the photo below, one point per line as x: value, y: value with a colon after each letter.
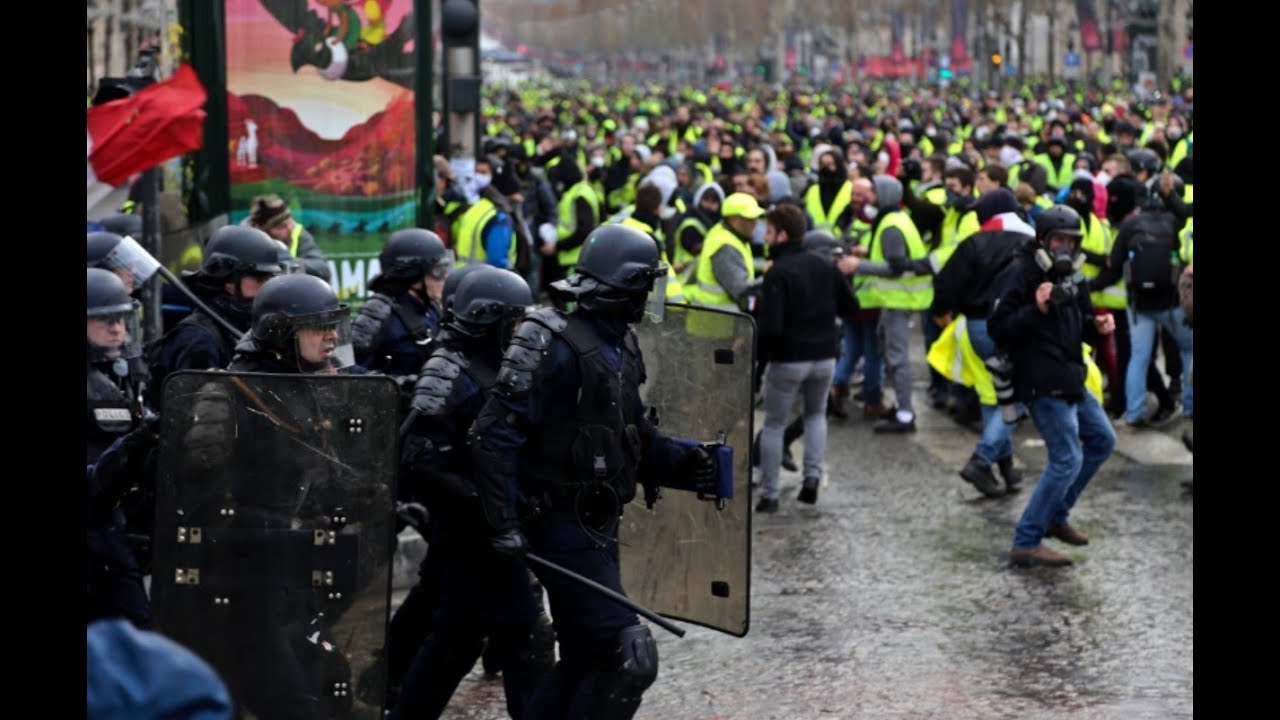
x: 813, y: 204
x: 906, y: 292
x: 675, y: 291
x: 708, y: 292
x: 468, y: 245
x: 568, y: 219
x: 1099, y: 239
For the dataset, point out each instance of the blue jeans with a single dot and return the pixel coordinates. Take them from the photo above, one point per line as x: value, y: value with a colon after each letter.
x: 1079, y: 438
x: 996, y: 443
x: 1142, y: 333
x: 858, y: 340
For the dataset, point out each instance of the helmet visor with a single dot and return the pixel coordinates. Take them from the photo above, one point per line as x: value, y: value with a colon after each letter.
x: 134, y: 265
x: 323, y: 341
x: 443, y: 266
x: 655, y: 307
x: 114, y: 333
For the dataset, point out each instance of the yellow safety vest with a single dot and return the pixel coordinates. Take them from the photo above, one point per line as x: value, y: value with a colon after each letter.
x: 675, y: 291
x: 467, y: 235
x: 906, y: 292
x: 956, y: 227
x: 1061, y: 177
x: 1185, y: 251
x: 684, y: 257
x: 1099, y: 239
x: 708, y: 292
x: 827, y: 220
x: 568, y: 219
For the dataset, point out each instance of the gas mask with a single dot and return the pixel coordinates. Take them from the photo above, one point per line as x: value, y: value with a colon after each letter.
x: 1061, y: 263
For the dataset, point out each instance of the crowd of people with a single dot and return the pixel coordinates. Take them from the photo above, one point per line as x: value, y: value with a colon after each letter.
x: 1041, y: 239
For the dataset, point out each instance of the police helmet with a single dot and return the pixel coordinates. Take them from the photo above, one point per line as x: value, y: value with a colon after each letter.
x: 1145, y: 159
x: 121, y: 255
x: 488, y: 297
x: 455, y: 279
x: 113, y: 326
x: 123, y: 224
x: 101, y: 244
x: 239, y: 250
x: 289, y: 303
x: 413, y: 252
x: 622, y: 258
x: 1058, y: 220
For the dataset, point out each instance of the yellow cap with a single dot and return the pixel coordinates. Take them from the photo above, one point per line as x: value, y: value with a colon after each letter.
x: 742, y: 205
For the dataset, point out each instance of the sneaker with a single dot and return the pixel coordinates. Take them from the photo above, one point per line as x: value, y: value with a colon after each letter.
x: 1012, y: 476
x: 978, y: 473
x: 767, y: 505
x: 789, y: 461
x: 809, y: 491
x: 1164, y: 415
x: 1066, y: 534
x: 1038, y: 555
x: 892, y: 424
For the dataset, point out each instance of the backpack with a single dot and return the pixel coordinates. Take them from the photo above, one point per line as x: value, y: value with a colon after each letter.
x: 1152, y: 271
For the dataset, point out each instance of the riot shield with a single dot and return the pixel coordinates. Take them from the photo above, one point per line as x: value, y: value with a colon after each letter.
x: 690, y: 558
x: 274, y: 532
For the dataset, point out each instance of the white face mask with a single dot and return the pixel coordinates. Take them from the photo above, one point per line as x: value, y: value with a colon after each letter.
x: 482, y: 182
x: 1173, y: 133
x: 1103, y: 177
x: 597, y: 161
x: 870, y: 211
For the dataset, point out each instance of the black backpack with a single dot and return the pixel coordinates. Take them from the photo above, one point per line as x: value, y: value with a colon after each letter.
x: 1152, y: 271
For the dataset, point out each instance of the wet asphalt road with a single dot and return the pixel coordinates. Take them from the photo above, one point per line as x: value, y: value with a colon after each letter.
x: 893, y: 596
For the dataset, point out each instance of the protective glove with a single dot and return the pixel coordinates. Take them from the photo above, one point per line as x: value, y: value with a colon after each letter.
x: 414, y: 514
x: 511, y: 543
x: 652, y: 493
x: 700, y: 467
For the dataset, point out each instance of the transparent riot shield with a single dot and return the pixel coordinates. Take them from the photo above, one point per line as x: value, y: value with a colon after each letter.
x: 690, y: 558
x: 274, y: 532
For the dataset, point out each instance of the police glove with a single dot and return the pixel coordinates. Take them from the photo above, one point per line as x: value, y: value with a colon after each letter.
x: 414, y: 514
x: 700, y: 468
x: 652, y: 493
x: 511, y: 543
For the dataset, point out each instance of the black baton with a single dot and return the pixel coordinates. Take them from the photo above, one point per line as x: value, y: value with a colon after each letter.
x: 622, y: 600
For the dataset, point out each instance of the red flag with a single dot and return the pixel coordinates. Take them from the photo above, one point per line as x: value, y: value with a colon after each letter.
x: 136, y: 133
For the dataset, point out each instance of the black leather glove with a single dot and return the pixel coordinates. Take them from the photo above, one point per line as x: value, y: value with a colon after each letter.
x: 700, y: 468
x: 511, y: 543
x: 652, y: 493
x: 414, y: 514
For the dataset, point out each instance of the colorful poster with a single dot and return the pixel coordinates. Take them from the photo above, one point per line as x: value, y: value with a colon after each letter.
x: 320, y: 111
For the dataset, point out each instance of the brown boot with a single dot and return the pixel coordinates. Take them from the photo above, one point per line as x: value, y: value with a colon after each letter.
x: 877, y: 411
x: 1038, y: 555
x: 1066, y: 534
x: 837, y: 406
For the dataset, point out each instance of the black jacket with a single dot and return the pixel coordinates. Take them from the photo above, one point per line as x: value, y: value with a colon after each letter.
x: 967, y: 283
x: 802, y: 295
x: 1044, y: 347
x: 1156, y: 222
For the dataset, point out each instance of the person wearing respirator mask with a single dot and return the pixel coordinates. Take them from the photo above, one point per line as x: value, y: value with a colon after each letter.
x: 1041, y: 316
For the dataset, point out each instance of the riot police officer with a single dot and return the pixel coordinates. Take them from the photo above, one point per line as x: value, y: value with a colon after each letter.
x: 298, y: 326
x: 397, y: 320
x: 483, y: 594
x: 237, y: 262
x: 114, y: 373
x: 558, y: 450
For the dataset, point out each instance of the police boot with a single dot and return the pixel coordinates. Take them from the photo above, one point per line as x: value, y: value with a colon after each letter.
x: 1012, y: 476
x: 836, y: 405
x: 977, y: 472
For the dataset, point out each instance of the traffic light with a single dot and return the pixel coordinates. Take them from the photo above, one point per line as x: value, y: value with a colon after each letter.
x: 460, y: 41
x: 996, y: 60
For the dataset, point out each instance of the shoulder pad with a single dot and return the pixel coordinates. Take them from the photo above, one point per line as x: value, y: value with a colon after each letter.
x: 367, y: 326
x: 527, y: 351
x: 553, y: 319
x: 434, y: 390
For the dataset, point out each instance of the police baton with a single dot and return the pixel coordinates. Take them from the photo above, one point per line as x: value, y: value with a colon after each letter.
x: 618, y: 598
x: 164, y: 272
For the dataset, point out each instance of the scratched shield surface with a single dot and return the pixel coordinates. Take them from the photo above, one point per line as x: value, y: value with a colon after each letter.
x: 687, y: 558
x: 273, y: 532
